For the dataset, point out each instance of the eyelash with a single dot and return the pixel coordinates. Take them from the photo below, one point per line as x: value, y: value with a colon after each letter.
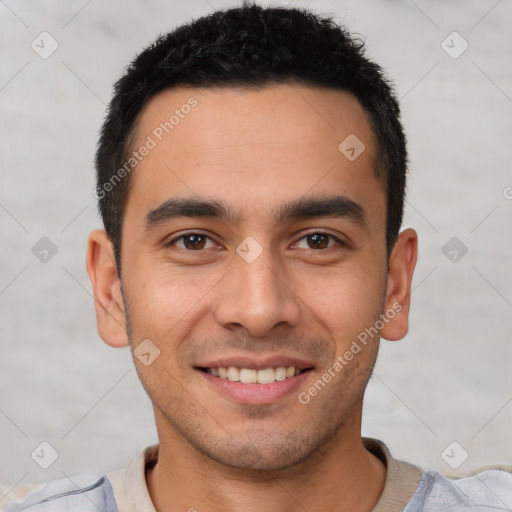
x: 336, y: 239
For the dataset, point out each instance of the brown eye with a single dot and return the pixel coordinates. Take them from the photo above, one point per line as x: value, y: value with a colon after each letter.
x: 192, y: 242
x: 318, y: 240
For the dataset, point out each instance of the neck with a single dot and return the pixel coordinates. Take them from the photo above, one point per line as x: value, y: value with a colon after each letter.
x: 341, y: 475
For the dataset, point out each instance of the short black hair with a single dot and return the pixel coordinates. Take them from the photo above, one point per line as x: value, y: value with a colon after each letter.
x: 250, y: 46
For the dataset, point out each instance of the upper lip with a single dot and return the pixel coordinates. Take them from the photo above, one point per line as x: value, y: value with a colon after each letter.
x: 256, y: 363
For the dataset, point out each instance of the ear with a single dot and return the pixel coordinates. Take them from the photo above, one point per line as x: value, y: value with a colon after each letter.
x: 398, y: 293
x: 108, y: 299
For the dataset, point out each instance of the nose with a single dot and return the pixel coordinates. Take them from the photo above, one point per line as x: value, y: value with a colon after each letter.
x: 258, y: 297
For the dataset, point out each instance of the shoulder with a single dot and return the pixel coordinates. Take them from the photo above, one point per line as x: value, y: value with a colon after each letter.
x: 485, y: 490
x: 67, y: 495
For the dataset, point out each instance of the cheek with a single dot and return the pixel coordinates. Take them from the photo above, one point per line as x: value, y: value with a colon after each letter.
x: 166, y: 304
x: 348, y: 302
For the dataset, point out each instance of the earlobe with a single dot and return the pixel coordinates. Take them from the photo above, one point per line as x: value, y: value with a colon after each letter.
x: 398, y: 293
x: 108, y: 299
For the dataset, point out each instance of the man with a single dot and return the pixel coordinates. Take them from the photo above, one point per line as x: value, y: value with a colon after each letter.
x: 251, y: 174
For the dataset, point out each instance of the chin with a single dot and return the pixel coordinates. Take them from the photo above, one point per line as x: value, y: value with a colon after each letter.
x: 264, y: 450
x: 251, y: 457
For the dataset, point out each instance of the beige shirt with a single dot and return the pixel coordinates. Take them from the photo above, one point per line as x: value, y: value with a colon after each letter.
x: 407, y: 489
x: 402, y: 479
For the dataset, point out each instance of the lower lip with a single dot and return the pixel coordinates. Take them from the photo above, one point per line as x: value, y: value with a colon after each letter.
x: 256, y: 393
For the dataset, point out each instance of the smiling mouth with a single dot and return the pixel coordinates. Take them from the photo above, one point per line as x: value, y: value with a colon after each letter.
x: 252, y: 376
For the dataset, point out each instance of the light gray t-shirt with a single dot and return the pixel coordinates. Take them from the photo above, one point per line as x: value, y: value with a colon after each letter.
x: 407, y: 489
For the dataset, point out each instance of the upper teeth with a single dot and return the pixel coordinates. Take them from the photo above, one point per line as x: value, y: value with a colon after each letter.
x: 247, y: 375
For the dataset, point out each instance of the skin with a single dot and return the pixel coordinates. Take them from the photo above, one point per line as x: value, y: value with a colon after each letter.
x: 254, y: 151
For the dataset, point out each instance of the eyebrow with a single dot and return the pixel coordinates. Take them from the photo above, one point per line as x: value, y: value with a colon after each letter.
x: 337, y: 206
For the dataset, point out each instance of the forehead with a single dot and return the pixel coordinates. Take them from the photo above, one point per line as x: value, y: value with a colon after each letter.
x: 282, y: 140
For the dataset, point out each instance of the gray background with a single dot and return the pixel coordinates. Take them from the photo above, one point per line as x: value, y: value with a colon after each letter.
x: 449, y: 380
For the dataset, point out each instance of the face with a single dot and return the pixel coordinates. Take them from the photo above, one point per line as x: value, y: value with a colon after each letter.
x: 253, y: 245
